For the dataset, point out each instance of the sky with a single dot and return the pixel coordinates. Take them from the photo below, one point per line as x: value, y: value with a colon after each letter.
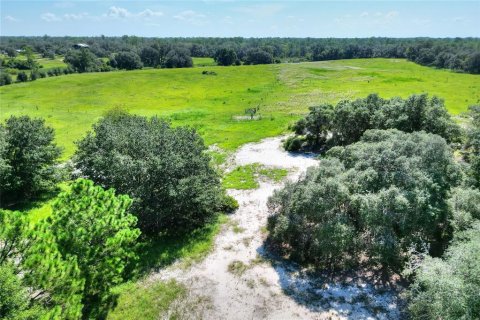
x: 245, y: 18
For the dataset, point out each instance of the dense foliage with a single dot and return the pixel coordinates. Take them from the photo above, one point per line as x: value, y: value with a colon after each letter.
x: 380, y: 197
x: 71, y: 260
x: 326, y: 126
x: 83, y: 60
x: 165, y: 170
x: 456, y: 54
x: 126, y: 60
x: 473, y: 146
x: 449, y: 288
x: 28, y: 158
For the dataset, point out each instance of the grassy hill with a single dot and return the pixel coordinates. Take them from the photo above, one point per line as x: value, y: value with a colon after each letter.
x: 215, y: 104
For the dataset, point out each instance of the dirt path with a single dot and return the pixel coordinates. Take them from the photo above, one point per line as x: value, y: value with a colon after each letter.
x: 235, y: 281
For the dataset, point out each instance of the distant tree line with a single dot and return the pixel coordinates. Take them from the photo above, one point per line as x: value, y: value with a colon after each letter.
x: 459, y: 54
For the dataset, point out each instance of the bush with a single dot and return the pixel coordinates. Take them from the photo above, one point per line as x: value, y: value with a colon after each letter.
x: 449, y: 288
x: 225, y: 57
x: 22, y: 77
x: 379, y: 197
x: 28, y: 156
x: 258, y: 56
x: 165, y: 170
x: 5, y: 79
x: 293, y: 143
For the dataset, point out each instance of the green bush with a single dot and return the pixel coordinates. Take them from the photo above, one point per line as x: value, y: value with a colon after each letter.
x: 449, y: 288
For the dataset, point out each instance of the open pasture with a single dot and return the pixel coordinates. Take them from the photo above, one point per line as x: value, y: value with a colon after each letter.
x: 215, y: 104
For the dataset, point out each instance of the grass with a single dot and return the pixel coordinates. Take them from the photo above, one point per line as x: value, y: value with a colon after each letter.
x: 237, y: 268
x: 247, y: 177
x: 215, y: 105
x: 203, y: 62
x: 163, y: 251
x: 144, y: 300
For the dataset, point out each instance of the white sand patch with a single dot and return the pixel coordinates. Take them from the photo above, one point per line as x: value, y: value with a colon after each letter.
x: 271, y: 289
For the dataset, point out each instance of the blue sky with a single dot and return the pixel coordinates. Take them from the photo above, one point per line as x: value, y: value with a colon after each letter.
x: 226, y: 18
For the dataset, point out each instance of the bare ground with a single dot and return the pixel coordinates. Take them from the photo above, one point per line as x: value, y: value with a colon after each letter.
x: 240, y: 280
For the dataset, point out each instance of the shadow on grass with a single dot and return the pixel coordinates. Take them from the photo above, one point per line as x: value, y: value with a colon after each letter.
x: 159, y: 252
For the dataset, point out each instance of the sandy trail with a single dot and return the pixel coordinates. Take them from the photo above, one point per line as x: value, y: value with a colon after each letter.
x: 261, y: 289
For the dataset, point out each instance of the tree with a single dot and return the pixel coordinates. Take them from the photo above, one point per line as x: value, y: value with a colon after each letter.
x: 127, y: 60
x: 93, y: 227
x: 379, y: 197
x: 22, y: 77
x: 449, y: 288
x: 53, y: 281
x: 225, y: 57
x: 150, y: 57
x: 258, y: 56
x: 28, y: 156
x: 14, y: 297
x: 164, y: 170
x: 178, y: 58
x: 472, y: 146
x: 5, y: 79
x: 82, y: 60
x: 327, y: 126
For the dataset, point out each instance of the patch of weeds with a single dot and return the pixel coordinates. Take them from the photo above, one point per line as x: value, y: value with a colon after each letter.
x: 246, y: 241
x: 258, y: 260
x: 274, y: 174
x: 264, y: 230
x: 237, y: 268
x: 263, y: 282
x: 228, y: 248
x: 251, y: 283
x: 246, y: 177
x: 143, y: 300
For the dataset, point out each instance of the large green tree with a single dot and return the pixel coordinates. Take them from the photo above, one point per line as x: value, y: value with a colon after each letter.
x: 165, y: 170
x: 380, y: 197
x: 28, y: 158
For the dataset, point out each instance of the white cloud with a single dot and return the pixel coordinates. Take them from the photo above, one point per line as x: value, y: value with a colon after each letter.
x: 50, y: 17
x: 191, y: 17
x: 122, y: 13
x: 118, y: 12
x: 150, y: 13
x: 75, y: 16
x: 11, y: 19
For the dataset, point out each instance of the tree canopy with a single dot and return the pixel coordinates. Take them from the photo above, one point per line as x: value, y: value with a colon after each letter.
x: 381, y: 197
x: 165, y: 170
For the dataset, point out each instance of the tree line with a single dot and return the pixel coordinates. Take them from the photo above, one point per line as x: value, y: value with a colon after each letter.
x: 459, y: 54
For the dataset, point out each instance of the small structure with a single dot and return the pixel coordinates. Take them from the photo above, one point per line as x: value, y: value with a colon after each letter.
x: 80, y: 45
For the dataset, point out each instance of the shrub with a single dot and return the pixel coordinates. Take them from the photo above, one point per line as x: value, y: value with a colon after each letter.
x: 449, y: 288
x: 165, y: 170
x: 5, y: 79
x: 28, y: 156
x: 22, y: 77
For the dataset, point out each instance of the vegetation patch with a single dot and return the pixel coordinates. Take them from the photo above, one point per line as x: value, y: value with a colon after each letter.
x: 237, y: 268
x: 144, y: 300
x: 247, y: 177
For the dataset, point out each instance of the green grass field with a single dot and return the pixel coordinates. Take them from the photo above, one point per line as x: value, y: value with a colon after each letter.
x: 215, y: 104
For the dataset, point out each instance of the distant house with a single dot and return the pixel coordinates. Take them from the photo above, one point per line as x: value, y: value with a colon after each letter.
x: 80, y: 45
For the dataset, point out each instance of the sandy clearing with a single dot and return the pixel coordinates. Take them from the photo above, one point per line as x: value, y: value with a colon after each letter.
x: 261, y: 289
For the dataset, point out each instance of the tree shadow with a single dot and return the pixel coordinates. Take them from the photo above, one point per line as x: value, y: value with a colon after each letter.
x: 356, y: 294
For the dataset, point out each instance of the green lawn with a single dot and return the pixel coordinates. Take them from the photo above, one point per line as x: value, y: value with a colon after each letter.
x: 215, y: 104
x: 203, y: 62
